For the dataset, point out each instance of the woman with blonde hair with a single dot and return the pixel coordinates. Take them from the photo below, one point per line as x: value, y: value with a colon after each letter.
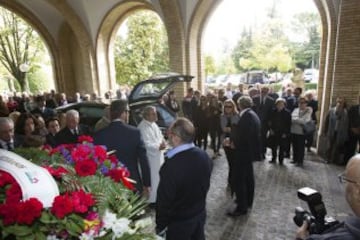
x: 228, y: 120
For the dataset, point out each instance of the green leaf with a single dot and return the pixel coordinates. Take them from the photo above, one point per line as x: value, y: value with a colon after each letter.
x: 18, y: 230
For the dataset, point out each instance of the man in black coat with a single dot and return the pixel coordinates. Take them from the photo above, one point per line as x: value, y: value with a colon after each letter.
x: 246, y: 141
x: 263, y: 106
x: 126, y: 140
x: 184, y: 183
x: 279, y: 124
x: 70, y: 133
x: 354, y: 131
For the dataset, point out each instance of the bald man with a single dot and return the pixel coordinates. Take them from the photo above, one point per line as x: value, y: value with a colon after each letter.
x: 350, y: 228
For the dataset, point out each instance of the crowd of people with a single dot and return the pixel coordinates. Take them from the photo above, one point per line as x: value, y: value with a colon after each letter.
x: 242, y: 122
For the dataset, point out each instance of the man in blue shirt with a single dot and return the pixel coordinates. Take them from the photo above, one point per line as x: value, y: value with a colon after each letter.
x: 184, y: 183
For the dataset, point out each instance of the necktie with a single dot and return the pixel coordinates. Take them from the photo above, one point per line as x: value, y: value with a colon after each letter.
x: 9, y: 146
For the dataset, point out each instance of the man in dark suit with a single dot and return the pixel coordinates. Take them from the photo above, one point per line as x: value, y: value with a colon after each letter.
x: 354, y: 131
x: 184, y: 183
x: 42, y: 110
x: 128, y: 143
x: 73, y: 129
x: 7, y: 138
x: 263, y: 106
x: 246, y: 140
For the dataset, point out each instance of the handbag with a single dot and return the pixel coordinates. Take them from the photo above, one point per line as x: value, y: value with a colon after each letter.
x: 309, y: 127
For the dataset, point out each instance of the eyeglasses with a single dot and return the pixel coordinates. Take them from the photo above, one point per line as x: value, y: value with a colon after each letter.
x: 228, y: 106
x: 344, y: 179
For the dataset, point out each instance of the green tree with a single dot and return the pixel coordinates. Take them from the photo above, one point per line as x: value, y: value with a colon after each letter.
x: 307, y: 53
x: 143, y: 51
x: 19, y: 44
x: 209, y: 65
x: 266, y: 49
x: 242, y: 50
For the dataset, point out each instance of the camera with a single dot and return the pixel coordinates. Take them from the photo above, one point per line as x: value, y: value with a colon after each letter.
x: 317, y: 220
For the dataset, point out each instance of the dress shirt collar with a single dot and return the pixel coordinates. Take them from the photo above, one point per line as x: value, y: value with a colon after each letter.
x: 4, y: 144
x: 183, y: 147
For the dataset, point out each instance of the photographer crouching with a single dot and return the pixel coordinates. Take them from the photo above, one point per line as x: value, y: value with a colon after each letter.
x: 350, y: 228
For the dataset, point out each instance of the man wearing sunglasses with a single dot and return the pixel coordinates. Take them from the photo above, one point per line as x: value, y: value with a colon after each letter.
x: 350, y: 228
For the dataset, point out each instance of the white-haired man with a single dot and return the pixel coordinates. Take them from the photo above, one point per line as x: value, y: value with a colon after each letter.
x: 70, y: 133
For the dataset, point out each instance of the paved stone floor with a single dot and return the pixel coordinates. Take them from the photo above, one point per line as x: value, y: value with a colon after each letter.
x: 275, y: 199
x: 271, y: 216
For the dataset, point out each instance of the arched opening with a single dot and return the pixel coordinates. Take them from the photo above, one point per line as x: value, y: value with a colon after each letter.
x: 26, y: 62
x: 275, y: 37
x: 140, y: 48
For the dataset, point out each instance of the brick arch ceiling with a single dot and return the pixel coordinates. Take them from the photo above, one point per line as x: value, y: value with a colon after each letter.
x: 200, y: 17
x: 89, y: 68
x: 49, y: 41
x: 106, y: 37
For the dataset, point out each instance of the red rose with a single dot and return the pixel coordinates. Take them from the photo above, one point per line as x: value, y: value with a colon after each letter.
x: 28, y: 211
x: 85, y: 168
x: 62, y: 206
x: 8, y: 213
x: 113, y: 159
x: 85, y: 138
x: 82, y: 201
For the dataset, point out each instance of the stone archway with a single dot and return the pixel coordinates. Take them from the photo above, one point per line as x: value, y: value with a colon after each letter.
x: 49, y: 41
x: 104, y: 42
x: 106, y: 38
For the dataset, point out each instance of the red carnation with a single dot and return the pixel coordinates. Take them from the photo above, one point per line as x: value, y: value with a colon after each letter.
x: 8, y: 213
x: 81, y: 152
x: 62, y: 206
x: 5, y: 178
x: 100, y: 153
x: 56, y: 172
x: 85, y: 168
x: 82, y: 201
x: 85, y: 138
x: 13, y: 193
x: 121, y: 174
x: 28, y: 211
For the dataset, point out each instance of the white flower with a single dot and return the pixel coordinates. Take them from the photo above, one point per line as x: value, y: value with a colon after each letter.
x: 109, y: 219
x: 142, y: 223
x: 120, y: 227
x: 87, y: 236
x: 52, y: 237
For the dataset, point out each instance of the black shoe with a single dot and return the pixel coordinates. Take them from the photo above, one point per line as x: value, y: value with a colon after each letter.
x: 236, y: 213
x: 299, y: 165
x: 272, y: 161
x: 293, y: 162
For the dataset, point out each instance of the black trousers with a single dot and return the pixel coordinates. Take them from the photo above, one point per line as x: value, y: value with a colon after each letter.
x: 230, y: 155
x: 243, y: 184
x: 298, y: 144
x: 190, y: 229
x: 277, y: 142
x: 215, y: 138
x: 353, y: 142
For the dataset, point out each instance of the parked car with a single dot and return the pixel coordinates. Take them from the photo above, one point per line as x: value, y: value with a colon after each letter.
x: 145, y: 93
x: 253, y: 77
x: 311, y: 75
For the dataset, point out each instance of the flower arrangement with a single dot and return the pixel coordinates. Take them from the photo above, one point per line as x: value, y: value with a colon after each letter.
x: 96, y: 200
